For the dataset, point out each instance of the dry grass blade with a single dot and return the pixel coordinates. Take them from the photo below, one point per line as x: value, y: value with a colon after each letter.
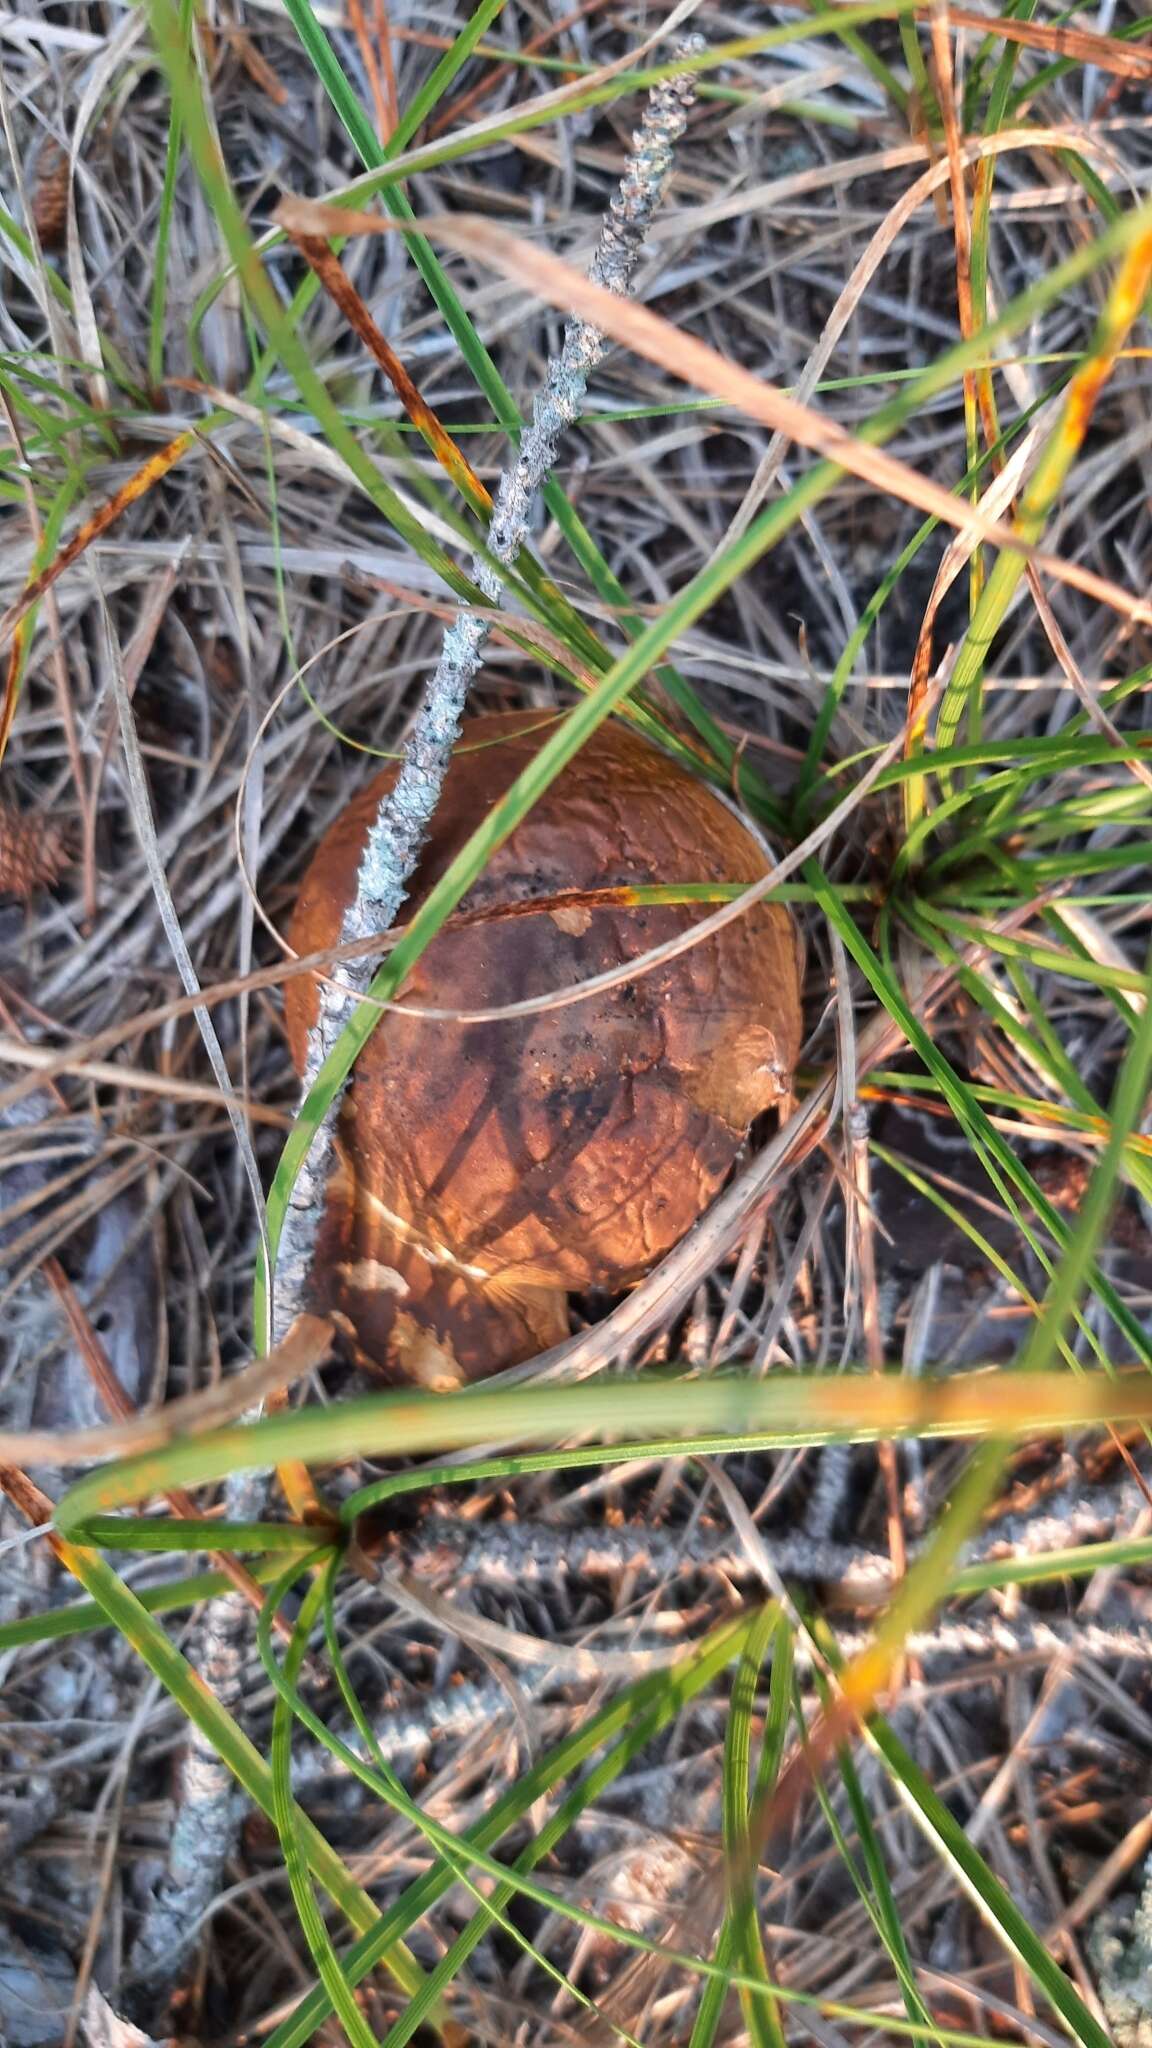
x: 320, y: 257
x: 958, y: 190
x: 145, y: 827
x: 979, y: 151
x: 452, y: 115
x: 118, y: 1405
x: 378, y: 65
x: 1081, y: 46
x: 698, y: 364
x: 83, y: 1059
x: 130, y: 493
x: 303, y: 1349
x: 46, y: 1065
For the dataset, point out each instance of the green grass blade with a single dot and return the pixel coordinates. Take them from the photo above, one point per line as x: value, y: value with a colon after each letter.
x: 172, y: 1534
x: 881, y: 1899
x: 982, y: 1245
x: 82, y: 1615
x: 217, y: 1726
x: 265, y: 304
x: 1060, y: 450
x: 726, y: 1411
x: 994, y: 1904
x: 285, y: 1813
x: 158, y: 296
x: 1007, y: 1172
x: 629, y: 1717
x: 761, y: 2013
x: 920, y: 1590
x: 1078, y: 1563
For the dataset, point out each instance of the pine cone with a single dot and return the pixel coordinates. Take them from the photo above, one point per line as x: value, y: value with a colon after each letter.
x: 33, y: 853
x: 50, y: 194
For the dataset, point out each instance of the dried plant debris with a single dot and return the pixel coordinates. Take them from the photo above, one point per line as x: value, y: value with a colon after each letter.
x: 207, y: 692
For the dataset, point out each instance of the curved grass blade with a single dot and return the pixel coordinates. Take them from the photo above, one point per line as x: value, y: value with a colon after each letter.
x: 919, y: 1592
x: 423, y: 2008
x: 1005, y: 1169
x: 872, y: 1884
x: 726, y: 1411
x: 719, y: 1986
x: 960, y: 1221
x: 1032, y: 1047
x: 994, y: 1904
x: 82, y: 1615
x: 266, y: 307
x: 1123, y: 306
x: 460, y: 1852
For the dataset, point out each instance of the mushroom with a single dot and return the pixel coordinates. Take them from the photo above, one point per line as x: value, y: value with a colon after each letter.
x: 487, y: 1170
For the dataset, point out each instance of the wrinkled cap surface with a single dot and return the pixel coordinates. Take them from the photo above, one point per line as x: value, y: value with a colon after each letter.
x: 572, y: 1148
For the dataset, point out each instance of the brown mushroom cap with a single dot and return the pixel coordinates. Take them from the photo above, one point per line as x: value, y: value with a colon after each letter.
x: 492, y: 1166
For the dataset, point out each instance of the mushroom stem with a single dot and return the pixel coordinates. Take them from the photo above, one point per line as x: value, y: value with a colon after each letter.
x: 402, y: 821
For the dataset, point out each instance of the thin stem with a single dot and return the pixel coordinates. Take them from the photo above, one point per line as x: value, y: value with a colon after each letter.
x: 405, y: 814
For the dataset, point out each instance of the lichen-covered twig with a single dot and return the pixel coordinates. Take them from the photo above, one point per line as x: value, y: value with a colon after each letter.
x: 1120, y: 1946
x: 473, y: 1707
x: 527, y: 1553
x: 531, y: 1553
x: 210, y: 1807
x: 398, y: 833
x: 208, y: 1814
x: 407, y: 1734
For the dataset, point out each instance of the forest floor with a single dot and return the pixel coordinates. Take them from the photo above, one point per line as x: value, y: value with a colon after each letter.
x: 578, y: 1668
